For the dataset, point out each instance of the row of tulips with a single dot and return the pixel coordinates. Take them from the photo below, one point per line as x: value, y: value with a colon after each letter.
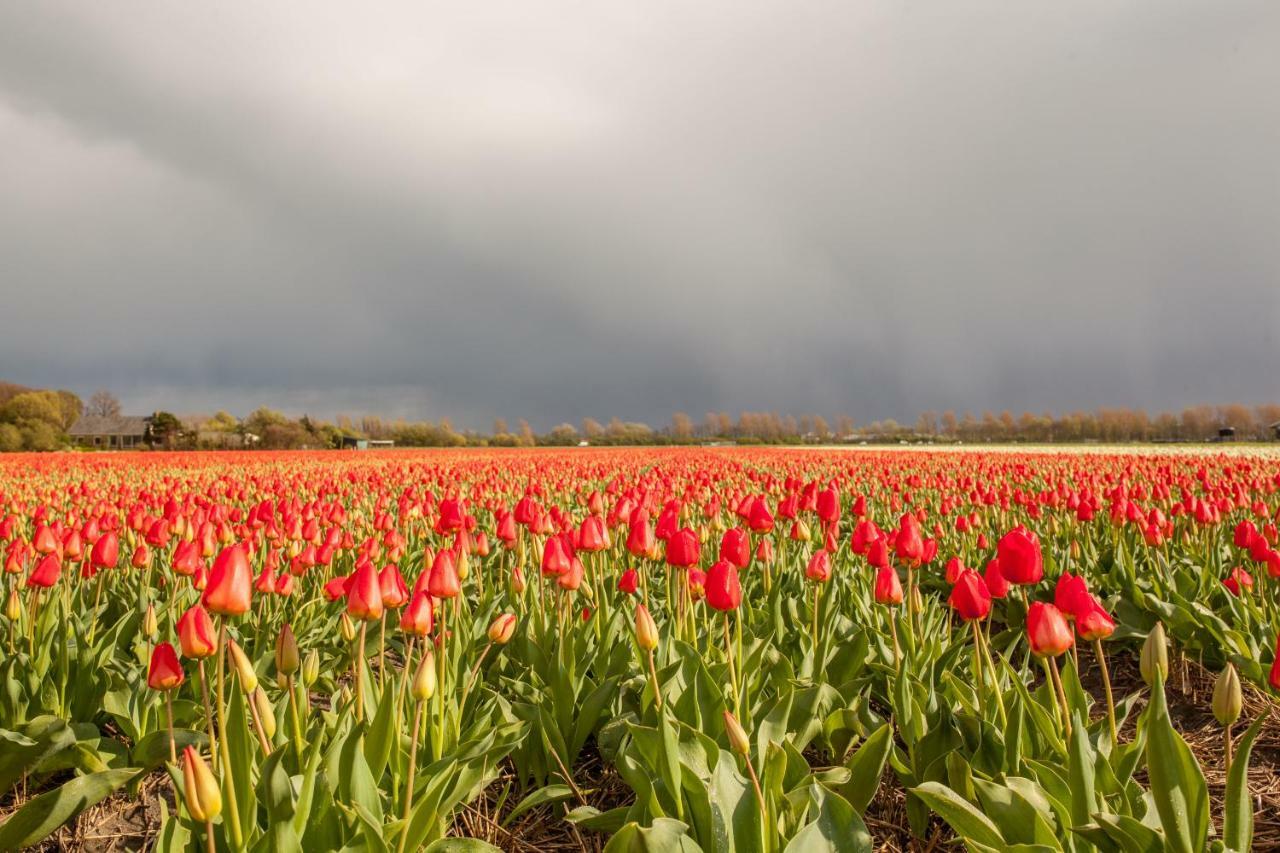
x: 333, y: 652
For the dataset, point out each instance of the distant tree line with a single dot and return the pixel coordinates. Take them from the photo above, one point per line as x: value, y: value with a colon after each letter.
x: 33, y: 419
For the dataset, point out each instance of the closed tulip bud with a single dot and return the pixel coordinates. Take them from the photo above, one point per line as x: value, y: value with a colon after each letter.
x: 164, y: 672
x: 347, y: 627
x: 517, y: 581
x: 244, y: 669
x: 502, y: 629
x: 287, y: 660
x: 1228, y: 701
x: 150, y: 626
x: 196, y: 633
x: 204, y: 800
x: 266, y: 715
x: 1155, y: 655
x: 311, y: 668
x: 738, y: 740
x: 424, y: 680
x: 646, y: 629
x: 13, y: 607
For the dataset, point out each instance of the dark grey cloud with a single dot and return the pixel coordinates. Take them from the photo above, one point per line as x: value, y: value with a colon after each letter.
x: 559, y: 210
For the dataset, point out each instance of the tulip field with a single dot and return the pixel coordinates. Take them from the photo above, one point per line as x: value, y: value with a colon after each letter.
x: 681, y: 649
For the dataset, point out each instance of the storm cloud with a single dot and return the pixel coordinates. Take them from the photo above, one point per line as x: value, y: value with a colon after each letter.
x: 555, y: 210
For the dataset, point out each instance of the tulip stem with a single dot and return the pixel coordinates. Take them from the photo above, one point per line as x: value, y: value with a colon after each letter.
x: 359, y: 672
x: 728, y: 653
x: 1106, y: 684
x: 653, y: 677
x: 208, y: 710
x: 210, y: 847
x: 977, y: 665
x: 893, y: 632
x: 1062, y: 696
x: 294, y: 716
x: 168, y: 713
x: 1226, y: 749
x: 408, y: 783
x: 764, y: 810
x: 475, y: 671
x: 382, y: 653
x: 228, y: 780
x: 817, y: 591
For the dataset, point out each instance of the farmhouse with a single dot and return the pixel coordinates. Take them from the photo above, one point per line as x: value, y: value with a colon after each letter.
x: 111, y: 431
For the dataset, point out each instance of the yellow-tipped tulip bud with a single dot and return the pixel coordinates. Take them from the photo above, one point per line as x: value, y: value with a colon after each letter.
x: 424, y: 680
x: 266, y: 715
x: 311, y: 668
x: 1228, y: 701
x: 287, y: 661
x: 244, y: 669
x: 347, y: 627
x: 738, y: 740
x: 462, y: 566
x: 204, y: 800
x: 150, y: 626
x: 1155, y: 655
x: 13, y: 607
x: 502, y: 629
x: 646, y: 629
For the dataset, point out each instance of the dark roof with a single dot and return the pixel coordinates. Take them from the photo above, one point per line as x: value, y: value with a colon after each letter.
x: 110, y: 425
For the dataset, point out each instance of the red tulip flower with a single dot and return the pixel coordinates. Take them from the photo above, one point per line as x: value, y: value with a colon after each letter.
x: 888, y: 589
x: 364, y: 595
x: 196, y: 634
x: 106, y: 551
x: 735, y: 546
x: 229, y: 588
x: 723, y: 589
x: 970, y: 597
x: 683, y: 548
x: 1048, y: 633
x: 165, y: 672
x: 419, y: 617
x: 819, y: 568
x: 46, y: 572
x: 628, y: 582
x: 1020, y: 559
x: 443, y: 581
x: 1092, y: 620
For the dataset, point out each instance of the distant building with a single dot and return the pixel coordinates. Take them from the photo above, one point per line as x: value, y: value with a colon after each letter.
x: 1227, y: 434
x: 111, y: 432
x: 1275, y: 430
x: 350, y: 442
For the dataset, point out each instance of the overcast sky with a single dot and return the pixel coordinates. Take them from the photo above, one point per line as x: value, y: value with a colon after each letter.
x: 555, y: 210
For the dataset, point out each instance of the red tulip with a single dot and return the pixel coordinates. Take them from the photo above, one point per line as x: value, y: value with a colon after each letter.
x: 1071, y: 595
x: 229, y: 588
x: 683, y: 548
x: 1019, y: 554
x: 196, y: 634
x: 819, y: 568
x: 1047, y: 631
x: 46, y: 572
x: 165, y: 672
x: 391, y: 586
x: 628, y: 582
x: 888, y: 589
x: 443, y: 581
x: 909, y: 543
x: 970, y: 597
x: 1092, y: 621
x: 419, y: 617
x: 640, y: 538
x: 1273, y: 677
x: 364, y: 595
x: 995, y: 580
x: 723, y: 590
x: 106, y: 551
x: 735, y: 546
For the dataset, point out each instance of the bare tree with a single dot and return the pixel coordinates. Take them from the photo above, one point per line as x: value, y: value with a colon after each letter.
x: 104, y: 404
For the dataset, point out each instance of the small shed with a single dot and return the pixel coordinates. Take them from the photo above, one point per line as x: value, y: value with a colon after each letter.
x: 1227, y: 434
x: 111, y: 432
x: 1275, y: 430
x: 350, y: 442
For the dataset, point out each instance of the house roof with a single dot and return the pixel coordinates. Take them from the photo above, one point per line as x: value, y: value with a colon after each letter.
x: 110, y: 425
